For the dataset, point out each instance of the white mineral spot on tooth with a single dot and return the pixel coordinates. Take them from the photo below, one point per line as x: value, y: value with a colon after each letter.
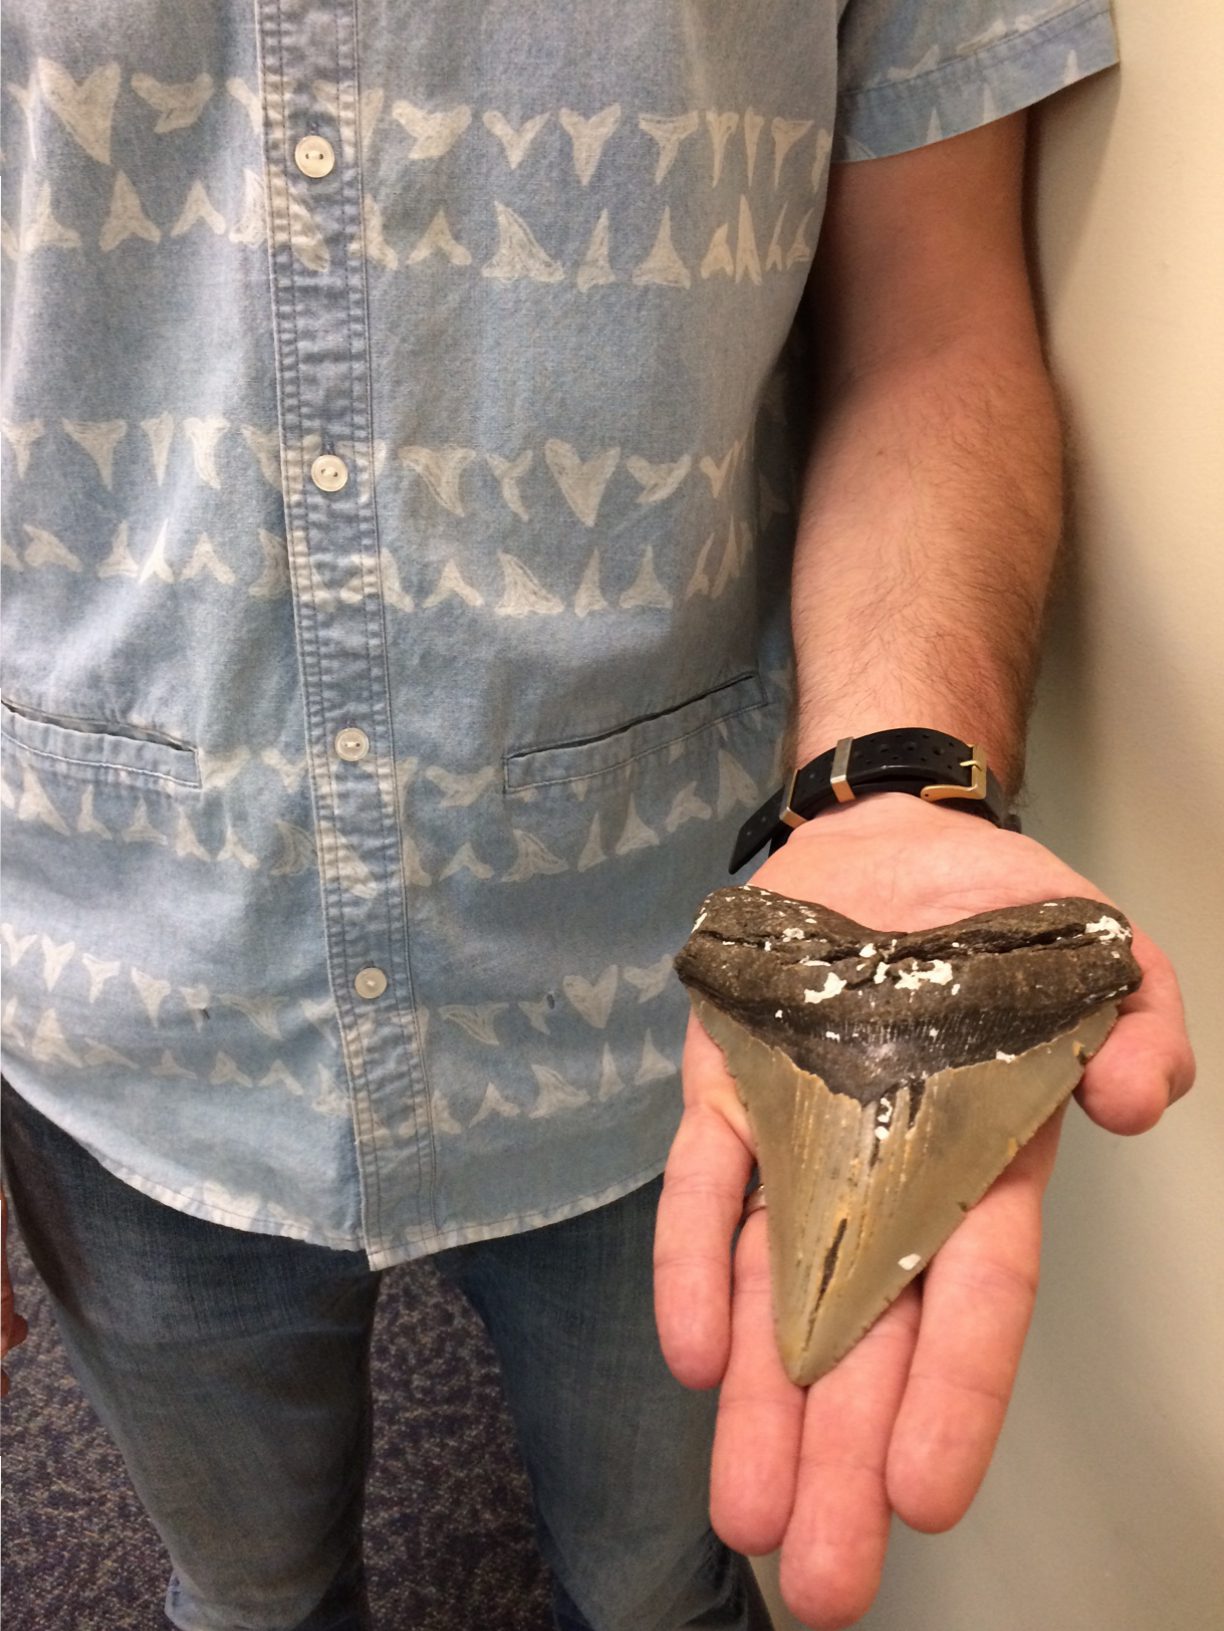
x: 955, y: 990
x: 813, y: 962
x: 833, y: 1036
x: 830, y: 988
x: 778, y: 1015
x: 868, y: 950
x: 701, y: 917
x: 769, y: 945
x: 878, y: 976
x: 793, y: 933
x: 910, y: 1262
x: 939, y: 973
x: 1006, y: 1058
x: 1108, y: 928
x: 931, y: 1031
x: 881, y: 1133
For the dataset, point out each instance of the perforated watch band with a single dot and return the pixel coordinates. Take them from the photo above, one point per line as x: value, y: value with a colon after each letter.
x: 926, y: 763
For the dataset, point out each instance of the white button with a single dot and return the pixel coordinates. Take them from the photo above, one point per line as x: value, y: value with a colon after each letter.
x: 370, y: 982
x: 329, y: 472
x: 315, y: 156
x: 352, y: 743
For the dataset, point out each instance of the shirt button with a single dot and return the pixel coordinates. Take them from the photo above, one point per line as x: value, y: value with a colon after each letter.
x: 315, y: 156
x: 352, y: 743
x: 370, y: 982
x: 329, y: 472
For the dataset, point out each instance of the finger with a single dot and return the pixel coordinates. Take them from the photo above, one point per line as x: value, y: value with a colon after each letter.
x: 1147, y: 1063
x: 699, y: 1209
x: 760, y: 1413
x: 833, y: 1553
x: 977, y: 1302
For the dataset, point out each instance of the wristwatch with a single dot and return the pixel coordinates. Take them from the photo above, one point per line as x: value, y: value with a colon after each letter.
x: 926, y: 763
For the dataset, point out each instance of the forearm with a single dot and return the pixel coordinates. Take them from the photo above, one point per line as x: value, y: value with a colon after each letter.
x: 929, y: 525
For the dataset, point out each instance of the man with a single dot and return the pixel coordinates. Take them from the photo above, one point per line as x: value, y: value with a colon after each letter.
x: 407, y: 543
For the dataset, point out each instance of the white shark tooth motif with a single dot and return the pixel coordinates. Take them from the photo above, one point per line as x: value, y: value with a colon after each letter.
x: 537, y: 1014
x: 753, y: 125
x: 652, y: 980
x: 452, y: 582
x: 654, y: 1066
x: 140, y: 830
x: 786, y: 133
x: 100, y: 970
x: 589, y: 597
x: 523, y: 595
x: 49, y: 1045
x: 658, y: 481
x: 509, y: 473
x: 820, y: 162
x: 87, y: 822
x: 465, y: 859
x: 582, y: 482
x: 533, y: 857
x: 721, y: 126
x: 204, y: 558
x: 185, y: 841
x: 663, y: 265
x: 610, y: 1083
x: 225, y: 1072
x: 518, y: 253
x: 99, y: 438
x: 460, y: 789
x: 290, y: 771
x: 555, y: 1093
x: 595, y: 268
x: 718, y: 259
x: 160, y: 431
x: 273, y: 581
x: 646, y: 590
x: 248, y: 101
x: 295, y: 222
x: 21, y: 438
x: 252, y: 227
x: 747, y: 259
x: 85, y: 110
x: 155, y: 564
x: 55, y: 959
x: 45, y: 549
x: 34, y: 804
x: 438, y: 238
x: 176, y: 105
x: 477, y: 1019
x: 687, y: 806
x: 775, y: 259
x: 26, y: 98
x: 668, y: 131
x: 169, y: 1069
x: 261, y: 1011
x: 297, y: 851
x: 151, y: 990
x: 233, y: 849
x: 514, y: 142
x: 494, y: 1104
x: 593, y: 852
x: 440, y: 469
x: 593, y: 1000
x: 589, y: 137
x: 735, y: 785
x: 16, y: 946
x: 127, y: 218
x: 219, y: 769
x: 635, y: 834
x: 716, y: 472
x: 699, y: 582
x: 433, y: 134
x: 801, y: 251
x: 371, y: 241
x: 196, y: 998
x: 42, y: 230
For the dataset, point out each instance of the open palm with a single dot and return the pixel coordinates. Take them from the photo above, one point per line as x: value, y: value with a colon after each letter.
x: 908, y: 1420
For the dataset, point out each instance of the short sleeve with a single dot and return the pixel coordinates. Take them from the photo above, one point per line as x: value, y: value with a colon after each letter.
x: 911, y: 72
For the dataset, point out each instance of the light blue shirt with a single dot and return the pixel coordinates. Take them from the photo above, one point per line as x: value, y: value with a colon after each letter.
x: 400, y: 464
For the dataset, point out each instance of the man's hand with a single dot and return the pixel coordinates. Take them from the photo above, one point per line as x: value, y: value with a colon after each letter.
x: 14, y: 1326
x: 908, y: 1420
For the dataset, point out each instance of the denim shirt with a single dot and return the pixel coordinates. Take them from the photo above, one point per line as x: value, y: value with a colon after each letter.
x: 401, y: 465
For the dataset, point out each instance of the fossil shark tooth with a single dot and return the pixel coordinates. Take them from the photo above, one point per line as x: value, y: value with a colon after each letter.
x: 889, y: 1078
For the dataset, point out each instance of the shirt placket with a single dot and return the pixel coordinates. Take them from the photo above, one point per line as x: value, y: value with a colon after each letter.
x: 312, y: 154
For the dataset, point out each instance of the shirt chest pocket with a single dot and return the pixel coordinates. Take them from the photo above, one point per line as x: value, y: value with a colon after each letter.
x: 638, y: 741
x: 92, y: 750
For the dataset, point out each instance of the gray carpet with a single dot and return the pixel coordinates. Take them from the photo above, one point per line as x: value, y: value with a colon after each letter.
x: 449, y: 1542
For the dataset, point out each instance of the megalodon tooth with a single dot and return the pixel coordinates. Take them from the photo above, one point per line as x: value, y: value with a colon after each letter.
x: 889, y: 1078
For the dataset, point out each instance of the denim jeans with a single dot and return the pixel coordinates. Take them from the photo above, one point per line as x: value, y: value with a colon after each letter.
x: 231, y: 1369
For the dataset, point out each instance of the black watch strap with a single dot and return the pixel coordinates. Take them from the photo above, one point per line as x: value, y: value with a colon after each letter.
x: 927, y: 763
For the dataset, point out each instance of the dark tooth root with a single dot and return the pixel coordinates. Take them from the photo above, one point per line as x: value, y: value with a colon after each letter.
x: 830, y: 1261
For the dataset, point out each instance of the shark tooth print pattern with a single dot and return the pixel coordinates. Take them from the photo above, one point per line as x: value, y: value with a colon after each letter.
x: 403, y: 436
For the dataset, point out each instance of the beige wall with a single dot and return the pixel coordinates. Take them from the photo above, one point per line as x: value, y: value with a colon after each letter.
x: 1104, y: 1509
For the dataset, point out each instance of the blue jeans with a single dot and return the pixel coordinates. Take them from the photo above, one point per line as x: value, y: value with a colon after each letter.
x: 231, y: 1369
